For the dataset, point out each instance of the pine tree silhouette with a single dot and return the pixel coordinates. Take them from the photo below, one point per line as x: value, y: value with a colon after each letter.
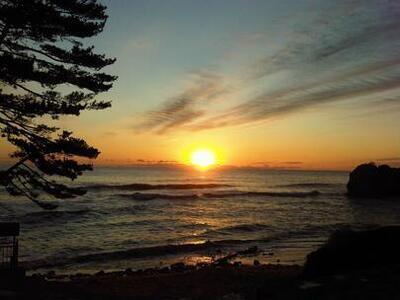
x: 41, y: 50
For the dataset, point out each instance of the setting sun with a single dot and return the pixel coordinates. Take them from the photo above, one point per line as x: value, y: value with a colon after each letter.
x: 203, y: 158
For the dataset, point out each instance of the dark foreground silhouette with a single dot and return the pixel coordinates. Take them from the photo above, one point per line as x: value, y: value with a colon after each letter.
x: 349, y: 250
x: 352, y: 265
x: 370, y: 180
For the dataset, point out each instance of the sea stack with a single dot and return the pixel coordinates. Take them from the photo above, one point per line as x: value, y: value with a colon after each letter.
x: 372, y: 181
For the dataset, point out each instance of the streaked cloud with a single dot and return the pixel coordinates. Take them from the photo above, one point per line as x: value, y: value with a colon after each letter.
x: 188, y: 106
x: 156, y: 162
x: 277, y: 164
x: 345, y: 53
x: 389, y: 159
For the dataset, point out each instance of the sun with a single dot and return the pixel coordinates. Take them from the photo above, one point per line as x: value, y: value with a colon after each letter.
x: 203, y: 158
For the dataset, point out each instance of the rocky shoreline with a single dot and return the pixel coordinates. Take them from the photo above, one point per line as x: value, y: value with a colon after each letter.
x: 351, y: 265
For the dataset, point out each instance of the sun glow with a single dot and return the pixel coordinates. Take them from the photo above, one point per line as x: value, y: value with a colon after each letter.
x: 203, y: 158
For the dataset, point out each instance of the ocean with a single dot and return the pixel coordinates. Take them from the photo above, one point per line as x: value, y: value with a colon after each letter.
x: 141, y: 217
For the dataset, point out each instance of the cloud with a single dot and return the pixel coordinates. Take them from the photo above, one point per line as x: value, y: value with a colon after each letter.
x: 389, y: 159
x: 110, y: 133
x: 186, y: 107
x: 292, y: 162
x: 138, y: 46
x: 350, y: 53
x: 156, y: 162
x: 277, y: 164
x: 292, y: 100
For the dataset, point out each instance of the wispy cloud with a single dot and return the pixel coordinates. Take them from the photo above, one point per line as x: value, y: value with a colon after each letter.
x: 156, y: 162
x: 292, y: 162
x: 351, y: 53
x: 389, y: 159
x: 186, y: 107
x: 277, y: 164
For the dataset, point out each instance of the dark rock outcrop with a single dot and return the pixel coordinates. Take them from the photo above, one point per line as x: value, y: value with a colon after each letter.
x: 349, y: 250
x: 370, y: 180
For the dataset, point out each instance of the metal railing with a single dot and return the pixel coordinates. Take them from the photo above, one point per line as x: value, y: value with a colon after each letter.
x: 9, y: 246
x: 8, y: 256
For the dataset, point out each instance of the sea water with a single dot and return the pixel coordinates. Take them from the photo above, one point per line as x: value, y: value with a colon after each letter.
x: 140, y: 217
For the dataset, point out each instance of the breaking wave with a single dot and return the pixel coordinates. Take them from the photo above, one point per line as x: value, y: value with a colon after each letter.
x: 53, y: 216
x: 309, y: 185
x: 240, y: 228
x: 152, y: 251
x: 178, y: 249
x: 229, y: 194
x: 145, y: 196
x: 268, y: 194
x: 147, y: 187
